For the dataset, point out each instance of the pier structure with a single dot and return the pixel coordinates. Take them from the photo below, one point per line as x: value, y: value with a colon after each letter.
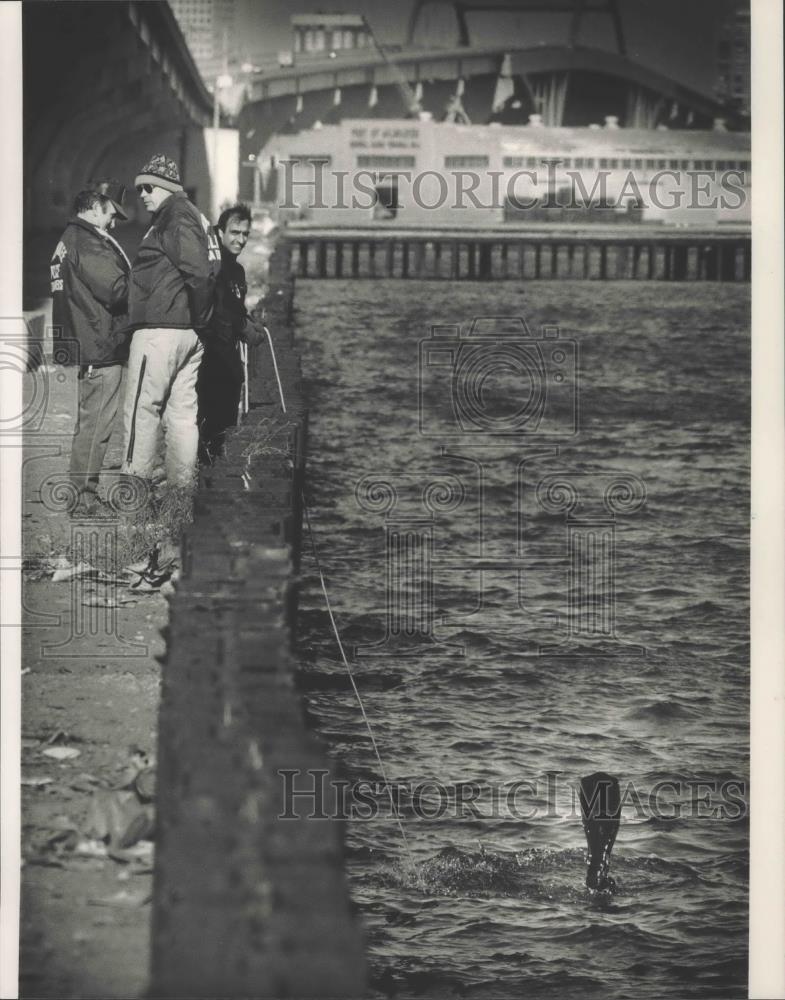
x: 547, y: 253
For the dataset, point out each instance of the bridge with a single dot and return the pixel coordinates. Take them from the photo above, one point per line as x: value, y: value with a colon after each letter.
x: 568, y: 85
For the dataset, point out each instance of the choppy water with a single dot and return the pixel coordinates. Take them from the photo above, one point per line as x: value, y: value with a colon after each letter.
x: 494, y: 905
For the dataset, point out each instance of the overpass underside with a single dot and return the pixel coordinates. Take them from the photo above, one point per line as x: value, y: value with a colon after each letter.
x: 105, y: 86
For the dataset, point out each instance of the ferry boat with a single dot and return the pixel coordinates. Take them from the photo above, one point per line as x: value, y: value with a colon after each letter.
x: 428, y: 173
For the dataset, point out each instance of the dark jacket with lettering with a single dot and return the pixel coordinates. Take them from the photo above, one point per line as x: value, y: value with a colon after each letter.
x: 173, y: 273
x: 89, y: 279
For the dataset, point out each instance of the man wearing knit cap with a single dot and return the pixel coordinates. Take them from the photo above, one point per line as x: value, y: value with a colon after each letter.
x: 170, y: 301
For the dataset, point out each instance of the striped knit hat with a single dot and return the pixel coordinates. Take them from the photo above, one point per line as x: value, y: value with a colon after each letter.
x: 161, y: 171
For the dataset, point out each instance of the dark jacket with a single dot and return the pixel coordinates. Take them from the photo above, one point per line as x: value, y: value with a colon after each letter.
x: 173, y: 273
x: 230, y: 317
x: 89, y: 278
x: 230, y: 322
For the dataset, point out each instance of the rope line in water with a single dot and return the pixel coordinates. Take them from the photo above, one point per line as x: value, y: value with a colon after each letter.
x: 366, y: 720
x: 354, y: 685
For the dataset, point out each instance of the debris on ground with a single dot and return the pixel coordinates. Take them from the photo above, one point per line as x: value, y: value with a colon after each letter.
x: 63, y: 573
x: 61, y: 753
x: 123, y: 898
x: 36, y: 780
x: 119, y: 822
x: 152, y: 573
x: 157, y: 572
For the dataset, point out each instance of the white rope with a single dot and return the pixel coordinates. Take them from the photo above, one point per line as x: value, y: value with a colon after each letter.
x: 355, y: 689
x: 275, y: 366
x: 244, y: 402
x: 337, y: 634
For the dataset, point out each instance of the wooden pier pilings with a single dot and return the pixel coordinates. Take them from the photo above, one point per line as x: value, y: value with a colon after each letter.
x: 636, y: 255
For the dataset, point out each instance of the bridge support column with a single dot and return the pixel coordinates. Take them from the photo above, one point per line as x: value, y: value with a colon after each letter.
x: 550, y: 96
x: 643, y: 109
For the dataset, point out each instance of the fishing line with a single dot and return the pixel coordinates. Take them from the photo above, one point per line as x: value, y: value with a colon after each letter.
x: 275, y: 367
x: 354, y: 685
x: 337, y: 634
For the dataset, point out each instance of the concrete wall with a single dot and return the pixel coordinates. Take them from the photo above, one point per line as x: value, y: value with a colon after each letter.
x: 246, y: 903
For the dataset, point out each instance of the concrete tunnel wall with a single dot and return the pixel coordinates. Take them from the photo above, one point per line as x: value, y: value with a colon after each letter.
x: 106, y: 85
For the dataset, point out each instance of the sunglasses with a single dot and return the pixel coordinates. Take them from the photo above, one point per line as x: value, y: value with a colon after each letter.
x: 147, y: 188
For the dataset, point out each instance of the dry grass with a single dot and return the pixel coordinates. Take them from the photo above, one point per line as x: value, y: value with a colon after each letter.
x: 159, y: 522
x: 270, y: 437
x: 127, y: 538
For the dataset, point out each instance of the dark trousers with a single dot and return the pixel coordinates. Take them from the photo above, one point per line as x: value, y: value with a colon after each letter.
x: 218, y: 389
x: 99, y: 394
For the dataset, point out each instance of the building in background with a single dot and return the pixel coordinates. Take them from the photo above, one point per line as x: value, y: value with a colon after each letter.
x: 324, y: 33
x: 733, y: 60
x: 211, y: 30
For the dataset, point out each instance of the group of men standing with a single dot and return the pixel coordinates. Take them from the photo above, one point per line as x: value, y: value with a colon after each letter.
x: 174, y: 318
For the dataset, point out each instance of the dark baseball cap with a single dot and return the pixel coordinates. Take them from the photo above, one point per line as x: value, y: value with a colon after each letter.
x: 114, y: 191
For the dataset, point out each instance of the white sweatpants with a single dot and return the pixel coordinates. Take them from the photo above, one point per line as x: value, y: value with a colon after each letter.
x: 161, y: 391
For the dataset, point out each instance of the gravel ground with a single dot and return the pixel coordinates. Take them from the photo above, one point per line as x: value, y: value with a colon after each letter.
x: 89, y: 706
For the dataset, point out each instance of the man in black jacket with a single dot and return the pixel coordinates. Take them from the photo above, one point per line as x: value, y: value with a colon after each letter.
x: 170, y: 302
x: 221, y: 373
x: 89, y: 279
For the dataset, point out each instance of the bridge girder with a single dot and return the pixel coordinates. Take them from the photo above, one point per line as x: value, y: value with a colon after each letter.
x: 460, y: 63
x: 577, y: 8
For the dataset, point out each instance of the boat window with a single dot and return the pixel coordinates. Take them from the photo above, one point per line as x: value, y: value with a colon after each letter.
x: 385, y: 161
x: 311, y: 158
x: 464, y: 161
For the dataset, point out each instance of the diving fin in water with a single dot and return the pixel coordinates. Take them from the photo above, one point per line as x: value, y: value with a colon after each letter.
x: 600, y: 808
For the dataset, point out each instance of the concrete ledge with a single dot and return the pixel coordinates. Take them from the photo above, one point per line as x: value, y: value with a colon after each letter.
x: 246, y: 903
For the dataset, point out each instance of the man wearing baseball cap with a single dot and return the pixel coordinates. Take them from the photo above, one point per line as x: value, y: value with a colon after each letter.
x: 89, y: 279
x: 170, y: 301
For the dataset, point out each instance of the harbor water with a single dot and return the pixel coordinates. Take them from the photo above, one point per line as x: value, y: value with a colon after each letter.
x: 503, y: 699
